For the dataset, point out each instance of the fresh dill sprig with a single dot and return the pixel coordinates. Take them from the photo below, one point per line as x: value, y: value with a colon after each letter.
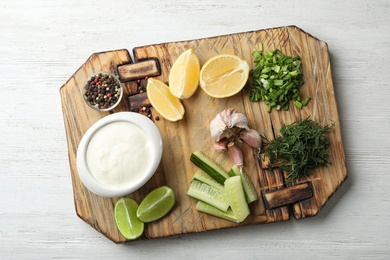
x: 301, y: 147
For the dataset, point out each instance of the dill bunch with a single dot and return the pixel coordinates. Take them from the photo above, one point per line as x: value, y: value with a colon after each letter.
x: 301, y: 147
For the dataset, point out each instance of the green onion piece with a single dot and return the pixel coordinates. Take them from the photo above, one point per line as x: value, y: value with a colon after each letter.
x: 273, y: 96
x: 278, y: 82
x: 266, y: 70
x: 307, y: 100
x: 279, y: 92
x: 260, y: 47
x: 298, y: 104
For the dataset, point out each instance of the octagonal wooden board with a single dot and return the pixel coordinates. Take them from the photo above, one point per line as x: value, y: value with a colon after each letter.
x: 192, y: 133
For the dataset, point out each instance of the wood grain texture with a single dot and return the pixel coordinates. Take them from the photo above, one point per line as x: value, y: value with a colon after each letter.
x: 181, y: 138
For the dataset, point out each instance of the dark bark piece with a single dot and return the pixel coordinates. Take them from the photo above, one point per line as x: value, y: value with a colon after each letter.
x: 289, y: 195
x: 139, y: 70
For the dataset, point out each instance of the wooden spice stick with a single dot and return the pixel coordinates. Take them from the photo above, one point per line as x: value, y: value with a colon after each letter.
x: 139, y: 70
x: 288, y: 195
x: 138, y: 101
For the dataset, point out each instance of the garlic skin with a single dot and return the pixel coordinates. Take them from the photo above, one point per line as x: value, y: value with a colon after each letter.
x: 217, y: 127
x: 235, y: 154
x: 238, y: 120
x: 251, y: 137
x: 227, y: 124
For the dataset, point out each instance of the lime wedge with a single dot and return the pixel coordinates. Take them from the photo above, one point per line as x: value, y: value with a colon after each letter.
x: 126, y: 219
x: 156, y: 204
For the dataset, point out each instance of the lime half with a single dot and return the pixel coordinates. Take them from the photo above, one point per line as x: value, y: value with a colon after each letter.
x: 156, y: 204
x: 126, y: 218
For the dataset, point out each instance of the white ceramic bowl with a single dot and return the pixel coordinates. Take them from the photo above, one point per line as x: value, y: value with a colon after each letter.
x: 154, y: 154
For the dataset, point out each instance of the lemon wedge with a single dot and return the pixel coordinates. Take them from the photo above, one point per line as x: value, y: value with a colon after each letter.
x: 184, y: 75
x: 161, y: 98
x: 224, y: 75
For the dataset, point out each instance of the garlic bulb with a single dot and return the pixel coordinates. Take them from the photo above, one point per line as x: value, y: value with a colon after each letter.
x: 225, y: 124
x: 228, y: 129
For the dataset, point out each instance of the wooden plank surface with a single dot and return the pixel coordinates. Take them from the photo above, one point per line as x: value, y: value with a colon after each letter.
x: 192, y: 133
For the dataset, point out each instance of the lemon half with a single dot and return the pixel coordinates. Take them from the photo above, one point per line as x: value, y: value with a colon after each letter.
x: 224, y: 75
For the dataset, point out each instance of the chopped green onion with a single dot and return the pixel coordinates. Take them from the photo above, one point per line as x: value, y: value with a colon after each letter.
x: 307, y: 100
x: 276, y: 78
x: 266, y: 70
x: 260, y: 47
x: 272, y: 96
x: 298, y: 104
x: 278, y: 82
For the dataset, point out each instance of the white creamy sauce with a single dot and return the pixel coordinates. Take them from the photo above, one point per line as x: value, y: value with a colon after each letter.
x: 118, y: 153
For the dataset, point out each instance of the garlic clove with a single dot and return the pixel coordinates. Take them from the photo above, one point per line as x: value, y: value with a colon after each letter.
x: 251, y: 137
x: 235, y: 154
x: 221, y: 144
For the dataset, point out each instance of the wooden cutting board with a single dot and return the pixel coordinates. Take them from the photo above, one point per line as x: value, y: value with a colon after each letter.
x: 180, y: 139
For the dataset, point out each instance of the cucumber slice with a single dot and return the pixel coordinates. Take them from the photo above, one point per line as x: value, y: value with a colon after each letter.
x: 208, y: 194
x: 235, y: 196
x: 205, y: 178
x: 209, y: 166
x: 208, y: 209
x: 234, y: 171
x: 249, y: 188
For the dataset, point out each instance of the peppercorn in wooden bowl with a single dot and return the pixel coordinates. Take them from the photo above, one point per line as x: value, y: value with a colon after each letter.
x: 102, y: 91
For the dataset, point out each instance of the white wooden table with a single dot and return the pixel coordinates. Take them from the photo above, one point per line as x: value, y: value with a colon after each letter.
x: 43, y: 42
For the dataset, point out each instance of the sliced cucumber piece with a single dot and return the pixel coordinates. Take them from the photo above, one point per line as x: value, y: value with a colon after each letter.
x: 249, y: 188
x: 208, y: 209
x: 235, y: 196
x: 205, y: 178
x: 209, y: 166
x: 208, y: 194
x: 234, y: 171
